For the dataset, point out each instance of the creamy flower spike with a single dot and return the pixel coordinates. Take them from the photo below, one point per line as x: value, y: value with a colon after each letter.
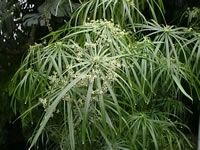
x: 107, y: 25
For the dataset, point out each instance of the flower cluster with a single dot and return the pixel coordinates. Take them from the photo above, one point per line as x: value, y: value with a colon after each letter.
x: 54, y: 80
x: 67, y: 98
x: 115, y: 64
x: 43, y: 102
x: 45, y: 105
x: 90, y: 45
x: 102, y: 27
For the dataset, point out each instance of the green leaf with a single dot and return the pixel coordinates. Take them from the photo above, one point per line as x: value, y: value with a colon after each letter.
x: 177, y: 81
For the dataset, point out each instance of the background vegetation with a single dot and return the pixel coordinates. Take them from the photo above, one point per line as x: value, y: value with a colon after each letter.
x: 107, y: 74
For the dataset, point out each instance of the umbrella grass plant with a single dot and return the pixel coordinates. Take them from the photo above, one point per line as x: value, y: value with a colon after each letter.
x: 99, y: 86
x: 122, y: 12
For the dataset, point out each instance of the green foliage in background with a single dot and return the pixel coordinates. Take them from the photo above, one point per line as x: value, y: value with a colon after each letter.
x: 115, y: 81
x: 192, y: 15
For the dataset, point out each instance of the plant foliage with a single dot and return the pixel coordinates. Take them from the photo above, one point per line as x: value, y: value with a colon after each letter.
x: 96, y: 85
